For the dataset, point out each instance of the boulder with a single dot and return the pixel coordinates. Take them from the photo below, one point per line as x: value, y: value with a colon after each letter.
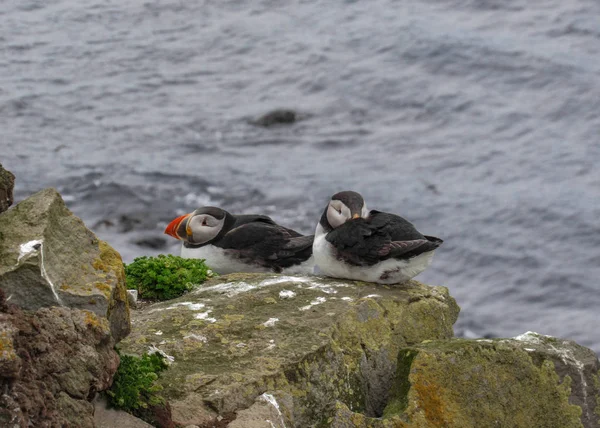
x: 527, y: 382
x: 52, y: 363
x: 269, y: 350
x: 49, y: 258
x: 7, y: 183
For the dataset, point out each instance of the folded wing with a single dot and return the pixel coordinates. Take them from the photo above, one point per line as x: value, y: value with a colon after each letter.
x: 365, y: 242
x: 268, y: 244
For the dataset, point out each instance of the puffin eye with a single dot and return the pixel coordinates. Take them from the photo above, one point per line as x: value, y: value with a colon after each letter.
x: 204, y: 223
x: 339, y: 211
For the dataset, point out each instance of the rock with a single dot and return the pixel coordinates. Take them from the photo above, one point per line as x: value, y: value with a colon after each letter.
x: 52, y: 362
x: 127, y: 223
x: 530, y: 381
x: 264, y: 413
x: 276, y: 117
x: 49, y: 258
x: 105, y: 417
x: 7, y: 183
x: 303, y: 343
x: 132, y: 297
x: 152, y: 242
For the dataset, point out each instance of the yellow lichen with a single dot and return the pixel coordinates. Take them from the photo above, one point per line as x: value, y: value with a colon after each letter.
x: 109, y: 260
x: 462, y: 383
x: 429, y: 399
x: 103, y: 288
x: 95, y: 322
x: 6, y: 344
x: 233, y: 317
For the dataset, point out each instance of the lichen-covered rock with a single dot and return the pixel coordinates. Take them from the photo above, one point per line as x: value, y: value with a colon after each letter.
x: 49, y: 258
x: 306, y: 342
x: 52, y: 362
x: 530, y: 381
x: 264, y: 413
x: 7, y: 183
x: 574, y: 361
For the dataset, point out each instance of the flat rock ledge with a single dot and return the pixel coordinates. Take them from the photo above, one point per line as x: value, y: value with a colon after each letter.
x: 49, y: 258
x: 271, y: 351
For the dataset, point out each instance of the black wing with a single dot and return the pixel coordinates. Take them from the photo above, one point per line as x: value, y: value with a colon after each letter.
x: 268, y: 244
x: 250, y: 218
x: 365, y: 242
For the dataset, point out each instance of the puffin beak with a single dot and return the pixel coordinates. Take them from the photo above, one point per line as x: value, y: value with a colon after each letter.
x: 356, y: 215
x: 174, y: 225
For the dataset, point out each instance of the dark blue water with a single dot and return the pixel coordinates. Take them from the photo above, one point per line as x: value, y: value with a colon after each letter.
x: 477, y: 120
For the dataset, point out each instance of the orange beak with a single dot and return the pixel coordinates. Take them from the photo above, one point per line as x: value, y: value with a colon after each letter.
x: 174, y: 225
x: 356, y: 216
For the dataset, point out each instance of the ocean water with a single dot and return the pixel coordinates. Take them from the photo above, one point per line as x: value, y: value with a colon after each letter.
x: 479, y: 121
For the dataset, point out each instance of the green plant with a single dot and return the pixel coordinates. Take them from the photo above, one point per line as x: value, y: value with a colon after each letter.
x: 134, y: 385
x: 165, y: 277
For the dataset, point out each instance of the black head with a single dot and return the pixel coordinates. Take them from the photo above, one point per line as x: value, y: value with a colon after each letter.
x: 201, y: 227
x: 214, y: 212
x: 343, y: 206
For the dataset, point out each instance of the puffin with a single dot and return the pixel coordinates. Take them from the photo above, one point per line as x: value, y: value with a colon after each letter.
x: 242, y: 243
x: 353, y: 242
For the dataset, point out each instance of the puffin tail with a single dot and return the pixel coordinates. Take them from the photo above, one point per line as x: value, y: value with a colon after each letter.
x: 433, y: 241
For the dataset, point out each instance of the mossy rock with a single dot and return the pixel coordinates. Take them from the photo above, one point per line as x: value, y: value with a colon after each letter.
x: 309, y: 342
x: 7, y: 183
x: 49, y: 258
x: 527, y: 382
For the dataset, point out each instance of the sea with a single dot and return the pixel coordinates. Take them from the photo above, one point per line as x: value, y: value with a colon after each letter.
x: 477, y: 120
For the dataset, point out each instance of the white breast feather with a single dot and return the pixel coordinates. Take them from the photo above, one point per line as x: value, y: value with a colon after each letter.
x: 223, y: 262
x: 389, y: 271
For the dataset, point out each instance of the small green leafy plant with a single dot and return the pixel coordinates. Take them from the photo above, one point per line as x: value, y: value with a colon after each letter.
x: 134, y: 387
x: 165, y: 277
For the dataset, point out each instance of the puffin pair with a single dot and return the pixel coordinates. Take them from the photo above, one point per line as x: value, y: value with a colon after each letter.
x: 350, y: 242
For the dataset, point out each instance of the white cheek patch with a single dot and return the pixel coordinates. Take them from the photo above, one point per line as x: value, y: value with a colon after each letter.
x: 365, y: 211
x: 202, y: 233
x: 346, y: 213
x: 334, y: 218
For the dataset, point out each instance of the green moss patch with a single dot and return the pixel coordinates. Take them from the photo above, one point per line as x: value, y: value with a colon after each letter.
x: 165, y: 277
x: 134, y: 386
